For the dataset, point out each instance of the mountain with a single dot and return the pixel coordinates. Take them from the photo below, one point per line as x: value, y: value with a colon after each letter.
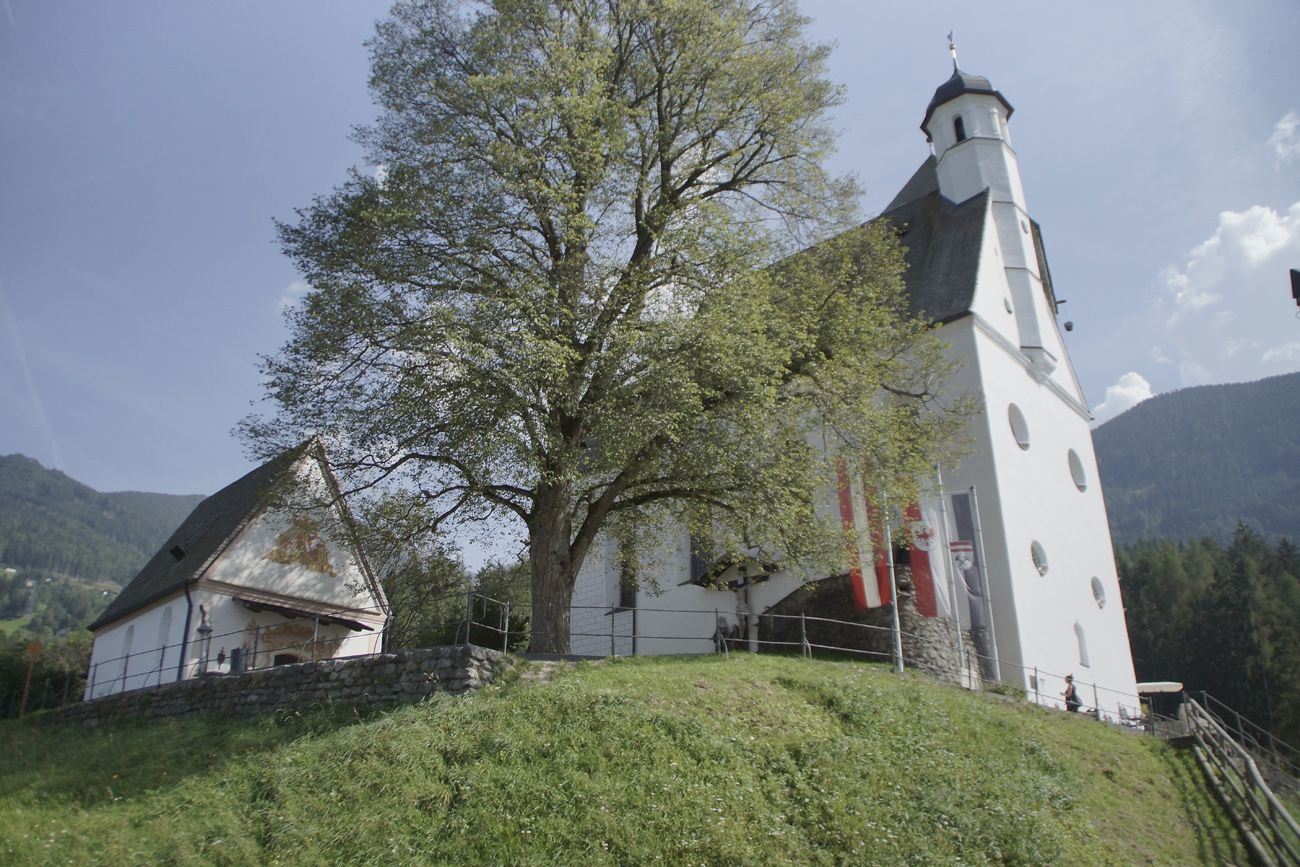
x: 1193, y: 463
x: 51, y: 522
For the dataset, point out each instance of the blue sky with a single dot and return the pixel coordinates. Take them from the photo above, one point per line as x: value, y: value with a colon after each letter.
x: 146, y: 146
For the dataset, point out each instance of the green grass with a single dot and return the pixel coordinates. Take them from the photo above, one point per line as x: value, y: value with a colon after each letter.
x: 15, y: 625
x: 747, y: 760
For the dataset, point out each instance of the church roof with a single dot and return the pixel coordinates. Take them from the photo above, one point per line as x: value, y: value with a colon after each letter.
x: 942, y: 241
x: 961, y: 83
x: 205, y: 533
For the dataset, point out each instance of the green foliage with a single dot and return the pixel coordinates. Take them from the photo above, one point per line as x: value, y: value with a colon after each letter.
x: 742, y: 761
x: 1196, y: 462
x: 49, y: 604
x: 53, y: 523
x: 1221, y: 620
x: 57, y: 678
x: 561, y: 302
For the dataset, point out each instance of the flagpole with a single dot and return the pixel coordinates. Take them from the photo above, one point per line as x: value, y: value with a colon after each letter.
x: 895, y: 629
x: 984, y: 582
x: 952, y: 584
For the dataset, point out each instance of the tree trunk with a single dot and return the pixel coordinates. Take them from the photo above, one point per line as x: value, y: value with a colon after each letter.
x: 553, y: 571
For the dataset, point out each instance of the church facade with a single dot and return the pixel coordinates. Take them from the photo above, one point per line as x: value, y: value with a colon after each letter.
x: 1024, y: 556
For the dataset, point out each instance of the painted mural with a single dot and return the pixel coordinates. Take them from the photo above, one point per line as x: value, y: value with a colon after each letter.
x: 302, y: 544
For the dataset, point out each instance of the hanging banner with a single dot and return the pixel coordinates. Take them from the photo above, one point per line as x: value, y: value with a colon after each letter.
x: 964, y: 558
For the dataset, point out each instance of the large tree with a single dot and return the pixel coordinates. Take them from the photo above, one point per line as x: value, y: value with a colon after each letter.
x: 569, y: 296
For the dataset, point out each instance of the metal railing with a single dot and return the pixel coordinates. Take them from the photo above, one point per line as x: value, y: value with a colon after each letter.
x: 626, y: 631
x: 1267, y: 825
x: 250, y: 648
x: 598, y: 631
x: 1278, y: 760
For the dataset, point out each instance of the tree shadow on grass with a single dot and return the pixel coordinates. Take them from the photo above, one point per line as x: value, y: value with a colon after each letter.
x: 1217, y: 840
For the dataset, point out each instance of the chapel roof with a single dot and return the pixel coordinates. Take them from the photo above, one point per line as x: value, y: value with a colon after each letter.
x: 212, y: 525
x: 942, y: 241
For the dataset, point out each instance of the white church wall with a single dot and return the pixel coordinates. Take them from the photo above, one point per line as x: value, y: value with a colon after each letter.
x: 978, y: 470
x: 317, y: 567
x: 153, y: 647
x: 992, y: 298
x: 1040, y: 504
x: 984, y: 159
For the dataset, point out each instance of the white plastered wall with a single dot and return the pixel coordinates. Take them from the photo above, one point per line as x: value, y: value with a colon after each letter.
x: 156, y: 633
x: 1030, y: 495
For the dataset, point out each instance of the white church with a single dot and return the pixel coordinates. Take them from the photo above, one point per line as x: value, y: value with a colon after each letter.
x: 1031, y: 564
x: 244, y: 583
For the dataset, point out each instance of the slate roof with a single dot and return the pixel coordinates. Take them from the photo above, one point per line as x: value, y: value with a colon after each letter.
x: 943, y: 242
x: 200, y: 537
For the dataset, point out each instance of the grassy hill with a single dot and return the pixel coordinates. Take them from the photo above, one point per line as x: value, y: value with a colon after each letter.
x: 1195, y: 462
x: 748, y: 760
x: 53, y: 523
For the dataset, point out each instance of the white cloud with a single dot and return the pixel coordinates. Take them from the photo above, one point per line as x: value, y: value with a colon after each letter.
x: 1285, y: 140
x: 1287, y: 353
x: 1226, y: 315
x: 292, y: 294
x: 1127, y: 392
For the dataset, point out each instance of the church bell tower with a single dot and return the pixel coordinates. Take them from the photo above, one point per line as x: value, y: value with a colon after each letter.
x: 966, y: 125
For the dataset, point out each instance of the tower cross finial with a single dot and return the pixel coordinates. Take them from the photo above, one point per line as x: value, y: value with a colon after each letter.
x: 952, y: 49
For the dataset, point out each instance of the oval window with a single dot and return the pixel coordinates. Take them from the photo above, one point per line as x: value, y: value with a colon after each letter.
x: 1098, y: 592
x: 1019, y: 427
x: 1039, y: 556
x: 1076, y: 471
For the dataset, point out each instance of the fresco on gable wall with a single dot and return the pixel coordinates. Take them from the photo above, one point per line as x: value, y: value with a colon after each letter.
x: 302, y: 544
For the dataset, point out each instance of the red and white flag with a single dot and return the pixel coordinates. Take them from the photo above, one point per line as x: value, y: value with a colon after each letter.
x: 929, y: 571
x: 865, y: 535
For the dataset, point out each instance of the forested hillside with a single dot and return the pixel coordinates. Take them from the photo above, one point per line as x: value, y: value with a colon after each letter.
x: 53, y: 523
x: 1195, y: 462
x: 1219, y: 619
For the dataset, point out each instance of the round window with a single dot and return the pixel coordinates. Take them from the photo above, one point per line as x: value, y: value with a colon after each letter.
x: 1098, y: 592
x: 1076, y: 471
x: 1019, y: 427
x: 1040, y: 557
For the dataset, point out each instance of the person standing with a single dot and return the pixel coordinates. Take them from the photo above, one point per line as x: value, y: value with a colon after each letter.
x: 1071, y: 694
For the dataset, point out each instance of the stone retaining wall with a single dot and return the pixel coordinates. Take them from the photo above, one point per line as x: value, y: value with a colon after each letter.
x: 929, y: 643
x: 374, y: 681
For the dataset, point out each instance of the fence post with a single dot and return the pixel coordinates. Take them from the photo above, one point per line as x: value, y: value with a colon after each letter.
x: 94, y: 670
x: 469, y: 613
x: 1036, y: 695
x: 804, y: 648
x: 613, y: 651
x: 257, y: 634
x: 1096, y: 704
x: 505, y: 631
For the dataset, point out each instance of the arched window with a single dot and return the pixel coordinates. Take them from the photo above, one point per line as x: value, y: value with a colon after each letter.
x: 959, y: 128
x: 1083, y: 644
